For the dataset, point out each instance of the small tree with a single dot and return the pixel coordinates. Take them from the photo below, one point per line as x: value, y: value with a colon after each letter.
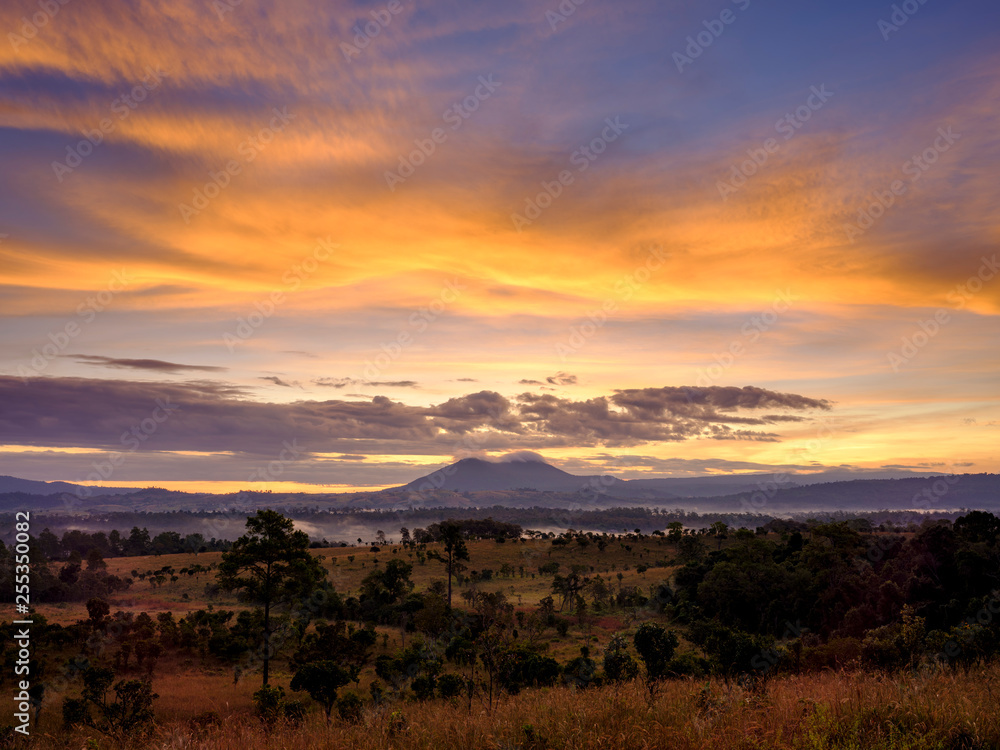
x: 98, y: 611
x: 619, y: 665
x: 582, y: 670
x: 95, y: 560
x: 270, y: 565
x: 454, y: 550
x: 737, y: 653
x: 131, y: 713
x: 387, y: 587
x: 495, y: 641
x: 348, y: 647
x: 675, y: 532
x: 720, y: 530
x: 322, y: 680
x: 656, y: 647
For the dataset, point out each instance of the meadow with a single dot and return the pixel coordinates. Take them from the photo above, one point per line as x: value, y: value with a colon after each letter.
x: 847, y: 700
x: 347, y: 566
x: 849, y: 710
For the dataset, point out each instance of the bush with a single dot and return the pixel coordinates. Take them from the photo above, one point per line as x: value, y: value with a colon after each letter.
x: 619, y: 665
x: 321, y: 679
x: 293, y: 711
x: 631, y: 598
x: 882, y: 648
x: 965, y: 645
x: 736, y: 653
x: 581, y: 672
x: 688, y: 664
x: 656, y: 648
x: 268, y: 703
x: 75, y: 713
x: 349, y: 707
x: 450, y: 686
x: 423, y: 687
x: 835, y: 654
x: 540, y: 671
x: 131, y: 713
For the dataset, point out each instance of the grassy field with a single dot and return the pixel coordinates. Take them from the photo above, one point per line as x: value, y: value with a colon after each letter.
x: 844, y: 711
x: 347, y: 566
x: 346, y: 575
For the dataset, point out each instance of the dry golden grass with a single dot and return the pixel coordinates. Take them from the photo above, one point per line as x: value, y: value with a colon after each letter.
x: 811, y: 712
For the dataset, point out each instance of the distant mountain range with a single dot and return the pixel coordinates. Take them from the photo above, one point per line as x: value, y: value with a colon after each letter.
x: 533, y: 473
x: 32, y: 487
x: 530, y: 482
x: 478, y: 475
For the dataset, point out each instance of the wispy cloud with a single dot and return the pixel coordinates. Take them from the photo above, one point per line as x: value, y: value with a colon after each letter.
x: 155, y: 365
x: 345, y: 382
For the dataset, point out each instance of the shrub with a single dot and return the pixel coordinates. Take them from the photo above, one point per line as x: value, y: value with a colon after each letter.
x: 423, y: 687
x: 736, y: 653
x: 321, y: 680
x: 450, y: 686
x: 540, y: 671
x: 581, y: 671
x: 268, y: 703
x: 397, y: 723
x: 349, y: 707
x: 835, y: 654
x: 130, y: 714
x: 656, y: 648
x: 688, y: 664
x: 883, y: 648
x: 619, y: 665
x: 293, y: 711
x: 75, y: 713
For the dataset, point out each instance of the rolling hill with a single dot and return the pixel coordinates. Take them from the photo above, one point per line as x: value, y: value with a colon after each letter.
x: 32, y: 487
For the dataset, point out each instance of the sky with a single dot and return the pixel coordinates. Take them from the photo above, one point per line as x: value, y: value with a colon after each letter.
x: 335, y: 245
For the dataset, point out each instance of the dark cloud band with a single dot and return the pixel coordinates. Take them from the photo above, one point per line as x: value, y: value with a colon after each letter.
x: 210, y: 416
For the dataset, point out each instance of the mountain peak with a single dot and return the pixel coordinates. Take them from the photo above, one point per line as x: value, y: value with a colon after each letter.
x: 523, y: 457
x: 519, y: 470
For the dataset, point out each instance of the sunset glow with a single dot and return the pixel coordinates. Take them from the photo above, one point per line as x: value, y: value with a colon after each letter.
x: 393, y: 234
